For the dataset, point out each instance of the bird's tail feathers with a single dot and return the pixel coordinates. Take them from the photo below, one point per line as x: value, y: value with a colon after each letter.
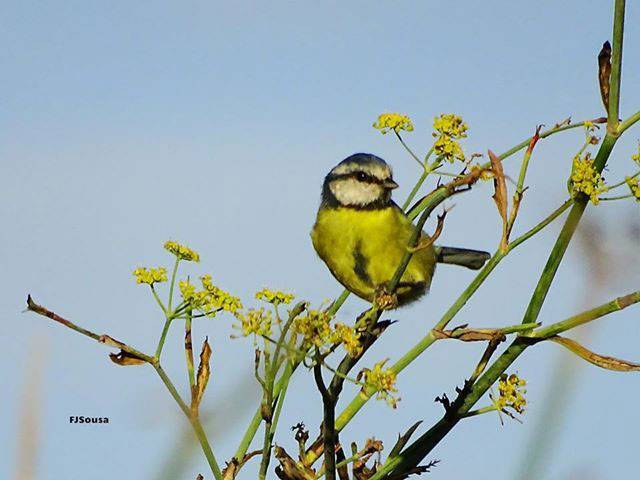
x: 473, y: 259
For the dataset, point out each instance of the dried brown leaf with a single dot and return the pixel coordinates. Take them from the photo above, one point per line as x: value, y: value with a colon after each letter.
x: 203, y: 374
x: 602, y: 361
x: 126, y: 359
x: 500, y: 195
x: 604, y: 73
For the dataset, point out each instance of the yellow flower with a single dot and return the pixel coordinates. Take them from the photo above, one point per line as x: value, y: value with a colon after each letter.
x: 150, y: 275
x: 274, y: 296
x: 383, y: 381
x: 218, y: 299
x: 449, y: 128
x: 349, y: 338
x: 636, y: 157
x: 211, y: 299
x: 586, y: 179
x: 181, y: 251
x: 634, y: 186
x: 255, y: 322
x: 450, y: 125
x: 314, y: 327
x: 451, y: 150
x: 393, y: 121
x: 511, y: 393
x: 196, y: 299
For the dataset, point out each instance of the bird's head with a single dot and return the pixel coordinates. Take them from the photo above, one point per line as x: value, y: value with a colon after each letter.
x: 362, y: 181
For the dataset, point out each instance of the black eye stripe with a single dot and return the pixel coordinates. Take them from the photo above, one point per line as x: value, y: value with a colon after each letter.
x: 358, y: 176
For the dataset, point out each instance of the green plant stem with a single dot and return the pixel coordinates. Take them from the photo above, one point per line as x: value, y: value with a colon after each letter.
x: 268, y: 405
x: 564, y: 238
x: 622, y: 182
x: 545, y: 134
x: 163, y: 337
x: 416, y: 188
x: 173, y: 281
x: 406, y: 147
x: 623, y: 126
x: 279, y: 391
x: 158, y: 301
x: 555, y: 214
x: 480, y: 411
x: 618, y: 197
x: 616, y: 67
x: 615, y: 305
x: 193, y: 420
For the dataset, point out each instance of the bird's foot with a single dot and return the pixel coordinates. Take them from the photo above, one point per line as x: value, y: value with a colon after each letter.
x: 385, y: 300
x: 422, y: 245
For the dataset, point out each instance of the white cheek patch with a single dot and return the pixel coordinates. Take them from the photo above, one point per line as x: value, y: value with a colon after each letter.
x: 349, y: 191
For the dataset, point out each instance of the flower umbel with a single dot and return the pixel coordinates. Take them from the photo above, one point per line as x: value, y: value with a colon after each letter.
x: 274, y: 296
x: 314, y: 327
x: 511, y: 393
x: 636, y: 157
x: 150, y: 275
x: 383, y: 381
x: 450, y: 125
x: 218, y: 298
x: 349, y: 338
x: 256, y: 321
x: 586, y: 179
x: 634, y: 186
x: 210, y: 300
x: 448, y: 129
x: 393, y: 121
x: 181, y: 251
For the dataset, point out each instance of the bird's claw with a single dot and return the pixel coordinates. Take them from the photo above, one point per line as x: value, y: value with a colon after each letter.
x: 385, y: 300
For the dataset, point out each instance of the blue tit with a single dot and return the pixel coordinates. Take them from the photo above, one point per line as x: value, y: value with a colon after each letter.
x: 361, y: 234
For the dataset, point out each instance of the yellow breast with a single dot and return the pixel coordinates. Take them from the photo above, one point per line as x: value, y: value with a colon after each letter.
x: 363, y: 249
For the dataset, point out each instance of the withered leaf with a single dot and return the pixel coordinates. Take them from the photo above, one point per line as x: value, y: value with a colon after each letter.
x: 604, y: 73
x: 203, y: 374
x: 125, y: 359
x: 500, y: 187
x: 602, y: 361
x: 289, y: 469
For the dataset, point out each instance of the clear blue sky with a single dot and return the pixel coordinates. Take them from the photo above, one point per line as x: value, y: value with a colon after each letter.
x: 123, y: 124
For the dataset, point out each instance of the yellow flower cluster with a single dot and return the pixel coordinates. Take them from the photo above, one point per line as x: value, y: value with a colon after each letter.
x: 511, y: 390
x: 274, y: 296
x: 634, y: 186
x: 255, y: 322
x: 586, y: 179
x: 636, y: 157
x: 150, y: 275
x: 181, y: 251
x: 349, y: 338
x: 448, y: 129
x: 211, y: 299
x: 314, y: 327
x: 393, y: 121
x: 383, y: 381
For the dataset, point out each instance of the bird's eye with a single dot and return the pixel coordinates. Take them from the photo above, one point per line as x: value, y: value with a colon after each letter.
x: 362, y: 177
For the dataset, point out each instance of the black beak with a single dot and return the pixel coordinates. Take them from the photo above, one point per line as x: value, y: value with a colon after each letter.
x: 390, y: 184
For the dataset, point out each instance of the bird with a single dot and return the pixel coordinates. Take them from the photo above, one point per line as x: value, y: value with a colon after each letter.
x: 361, y: 234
